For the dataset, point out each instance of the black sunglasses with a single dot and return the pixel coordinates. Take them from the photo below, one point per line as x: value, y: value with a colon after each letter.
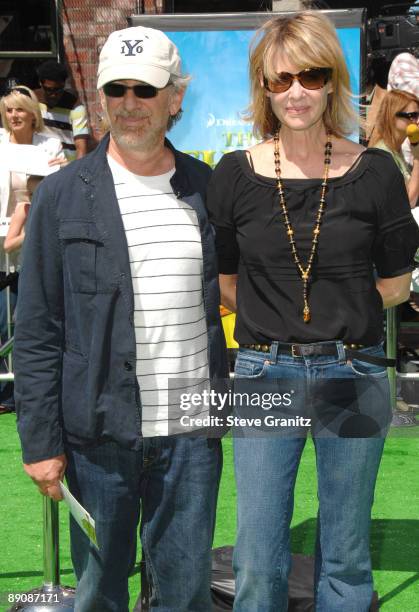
x: 20, y: 90
x: 412, y: 116
x: 52, y: 90
x: 117, y: 90
x: 310, y: 78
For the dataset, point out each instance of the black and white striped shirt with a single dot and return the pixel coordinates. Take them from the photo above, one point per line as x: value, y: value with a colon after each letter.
x: 165, y: 253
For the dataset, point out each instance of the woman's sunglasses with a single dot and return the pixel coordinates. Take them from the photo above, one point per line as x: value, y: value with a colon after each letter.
x: 117, y: 90
x: 310, y: 78
x: 413, y: 116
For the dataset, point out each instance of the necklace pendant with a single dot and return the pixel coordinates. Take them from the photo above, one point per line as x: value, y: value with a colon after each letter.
x: 304, y: 272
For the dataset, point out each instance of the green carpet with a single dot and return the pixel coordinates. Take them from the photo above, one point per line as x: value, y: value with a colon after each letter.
x: 395, y: 528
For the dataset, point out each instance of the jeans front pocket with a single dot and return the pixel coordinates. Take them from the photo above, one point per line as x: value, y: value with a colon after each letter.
x: 250, y: 367
x: 365, y: 369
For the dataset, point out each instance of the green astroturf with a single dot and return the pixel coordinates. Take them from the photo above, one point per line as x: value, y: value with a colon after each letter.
x: 395, y: 527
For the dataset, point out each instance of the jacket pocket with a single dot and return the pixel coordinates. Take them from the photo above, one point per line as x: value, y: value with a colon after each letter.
x: 85, y: 259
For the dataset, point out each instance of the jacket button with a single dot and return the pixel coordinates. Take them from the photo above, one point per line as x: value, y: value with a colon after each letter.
x: 128, y: 366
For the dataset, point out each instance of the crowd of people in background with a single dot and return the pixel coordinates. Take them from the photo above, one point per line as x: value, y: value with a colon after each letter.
x: 22, y: 125
x: 52, y: 119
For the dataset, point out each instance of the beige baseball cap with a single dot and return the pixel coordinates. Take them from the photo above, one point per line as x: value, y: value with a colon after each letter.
x: 138, y: 53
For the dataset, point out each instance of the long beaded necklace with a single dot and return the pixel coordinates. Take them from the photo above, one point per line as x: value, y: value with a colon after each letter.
x: 304, y: 272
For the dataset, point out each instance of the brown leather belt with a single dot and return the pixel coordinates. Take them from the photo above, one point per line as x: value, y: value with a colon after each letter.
x: 352, y: 351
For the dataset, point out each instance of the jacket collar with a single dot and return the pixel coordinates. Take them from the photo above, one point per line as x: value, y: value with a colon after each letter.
x: 179, y: 180
x: 96, y: 163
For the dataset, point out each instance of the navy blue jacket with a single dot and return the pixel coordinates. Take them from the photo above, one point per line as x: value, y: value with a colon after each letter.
x: 75, y: 351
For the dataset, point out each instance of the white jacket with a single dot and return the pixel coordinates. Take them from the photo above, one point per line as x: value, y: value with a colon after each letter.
x: 52, y: 146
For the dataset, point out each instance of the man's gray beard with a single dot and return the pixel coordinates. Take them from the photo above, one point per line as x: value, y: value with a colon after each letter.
x: 143, y: 140
x: 135, y: 141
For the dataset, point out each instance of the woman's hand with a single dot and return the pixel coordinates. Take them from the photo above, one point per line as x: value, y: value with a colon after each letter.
x: 61, y: 161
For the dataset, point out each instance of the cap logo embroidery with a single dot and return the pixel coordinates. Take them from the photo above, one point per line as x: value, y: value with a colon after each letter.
x: 130, y: 48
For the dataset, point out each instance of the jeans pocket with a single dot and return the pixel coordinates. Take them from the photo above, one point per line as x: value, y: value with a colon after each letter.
x: 246, y: 367
x: 365, y: 369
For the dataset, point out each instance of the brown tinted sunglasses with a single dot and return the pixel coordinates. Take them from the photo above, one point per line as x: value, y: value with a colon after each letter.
x: 309, y: 78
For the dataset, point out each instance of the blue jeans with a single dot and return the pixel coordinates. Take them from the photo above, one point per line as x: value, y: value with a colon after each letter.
x: 266, y: 470
x: 173, y: 484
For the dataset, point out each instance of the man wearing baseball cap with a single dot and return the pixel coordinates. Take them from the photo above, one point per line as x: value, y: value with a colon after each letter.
x: 119, y: 302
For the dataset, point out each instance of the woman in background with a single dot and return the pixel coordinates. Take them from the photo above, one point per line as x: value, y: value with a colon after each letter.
x: 301, y: 220
x: 22, y: 125
x: 398, y: 109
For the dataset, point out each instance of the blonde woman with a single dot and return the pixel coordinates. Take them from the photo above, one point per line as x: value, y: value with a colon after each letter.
x: 22, y: 125
x: 301, y: 219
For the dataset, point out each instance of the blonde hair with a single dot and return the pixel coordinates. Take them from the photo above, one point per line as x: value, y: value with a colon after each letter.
x: 393, y: 102
x: 309, y: 40
x: 29, y: 103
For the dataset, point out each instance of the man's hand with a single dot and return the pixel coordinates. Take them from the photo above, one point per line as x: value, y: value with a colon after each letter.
x: 47, y: 475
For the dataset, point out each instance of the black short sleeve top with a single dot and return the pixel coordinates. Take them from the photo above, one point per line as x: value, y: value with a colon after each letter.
x: 367, y: 223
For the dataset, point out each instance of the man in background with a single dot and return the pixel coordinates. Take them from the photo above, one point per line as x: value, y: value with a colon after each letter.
x: 63, y: 115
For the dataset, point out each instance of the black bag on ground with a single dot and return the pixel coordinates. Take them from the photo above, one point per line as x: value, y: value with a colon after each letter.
x: 300, y: 582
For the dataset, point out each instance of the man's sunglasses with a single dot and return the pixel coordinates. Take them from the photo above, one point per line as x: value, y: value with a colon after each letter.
x: 310, y: 78
x: 412, y: 116
x: 52, y: 90
x: 117, y: 90
x: 20, y: 90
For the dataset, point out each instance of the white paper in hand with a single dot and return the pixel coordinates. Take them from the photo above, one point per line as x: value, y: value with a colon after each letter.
x: 80, y: 515
x: 28, y: 159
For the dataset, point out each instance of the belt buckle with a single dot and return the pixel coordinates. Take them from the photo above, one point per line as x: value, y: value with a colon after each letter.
x: 294, y: 348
